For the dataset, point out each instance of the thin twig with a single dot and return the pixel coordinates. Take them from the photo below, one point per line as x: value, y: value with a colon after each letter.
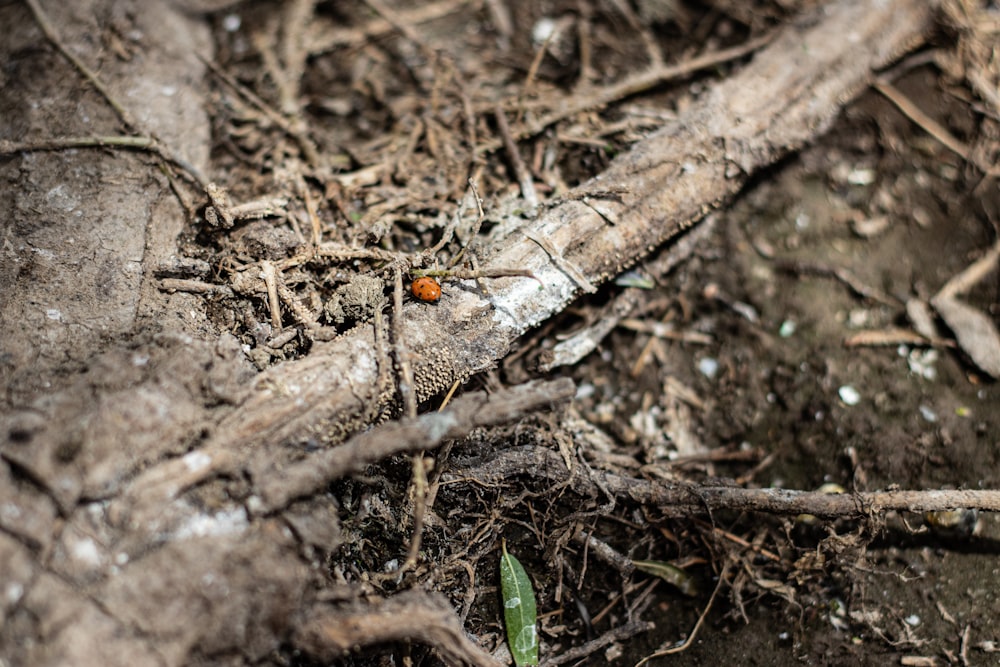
x: 932, y: 127
x: 565, y: 266
x: 407, y: 436
x: 401, y: 25
x: 419, y: 484
x: 697, y: 626
x: 650, y: 78
x: 270, y: 277
x: 50, y: 33
x: 970, y: 276
x: 618, y: 634
x: 521, y: 172
x: 406, y: 391
x: 288, y: 126
x: 676, y: 499
x: 150, y: 143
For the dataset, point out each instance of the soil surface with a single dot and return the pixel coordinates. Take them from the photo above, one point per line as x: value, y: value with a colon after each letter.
x: 181, y: 309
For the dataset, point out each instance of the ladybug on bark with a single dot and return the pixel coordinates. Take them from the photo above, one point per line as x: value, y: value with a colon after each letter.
x: 426, y: 289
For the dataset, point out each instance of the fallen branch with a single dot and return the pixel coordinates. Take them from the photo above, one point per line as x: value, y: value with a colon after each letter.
x: 616, y: 634
x: 155, y: 503
x: 675, y: 499
x: 279, y: 486
x: 666, y: 184
x: 331, y: 633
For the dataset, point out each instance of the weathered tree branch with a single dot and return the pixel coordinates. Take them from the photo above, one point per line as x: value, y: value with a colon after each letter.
x: 277, y: 486
x: 789, y: 94
x: 330, y: 633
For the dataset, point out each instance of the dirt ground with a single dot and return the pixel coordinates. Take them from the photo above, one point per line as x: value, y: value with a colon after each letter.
x: 219, y: 439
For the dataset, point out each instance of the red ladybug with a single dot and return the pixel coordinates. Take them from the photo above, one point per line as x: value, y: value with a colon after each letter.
x: 426, y: 289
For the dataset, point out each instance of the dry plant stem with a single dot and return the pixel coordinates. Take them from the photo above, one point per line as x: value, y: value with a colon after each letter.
x: 975, y: 332
x: 932, y: 127
x: 154, y: 145
x: 297, y: 16
x: 138, y: 143
x: 697, y: 626
x: 559, y: 260
x: 596, y: 98
x: 665, y: 330
x: 287, y: 126
x: 406, y: 391
x: 585, y: 43
x: 447, y: 397
x: 321, y: 41
x: 649, y: 42
x: 536, y: 62
x: 604, y: 552
x: 419, y: 474
x: 841, y: 274
x: 686, y: 500
x: 460, y: 274
x: 456, y: 218
x: 193, y: 287
x: 500, y: 17
x: 419, y: 485
x: 315, y: 224
x: 521, y: 172
x: 294, y: 125
x: 338, y: 252
x: 892, y: 336
x: 571, y: 350
x: 301, y: 313
x: 331, y: 633
x: 401, y: 25
x: 618, y: 634
x: 410, y: 435
x: 270, y: 277
x: 50, y: 33
x: 971, y: 276
x: 725, y: 534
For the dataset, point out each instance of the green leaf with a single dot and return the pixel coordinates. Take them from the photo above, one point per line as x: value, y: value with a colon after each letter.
x: 519, y: 610
x: 672, y: 574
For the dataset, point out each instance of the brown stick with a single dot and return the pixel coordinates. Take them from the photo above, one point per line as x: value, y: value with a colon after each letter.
x: 685, y: 500
x: 616, y: 634
x: 329, y: 633
x: 278, y: 487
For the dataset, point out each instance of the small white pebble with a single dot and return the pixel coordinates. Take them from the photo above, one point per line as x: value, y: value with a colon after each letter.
x: 196, y: 461
x: 14, y: 592
x: 912, y: 620
x: 231, y: 22
x: 708, y: 367
x: 787, y: 329
x: 543, y: 29
x: 861, y: 176
x: 849, y: 395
